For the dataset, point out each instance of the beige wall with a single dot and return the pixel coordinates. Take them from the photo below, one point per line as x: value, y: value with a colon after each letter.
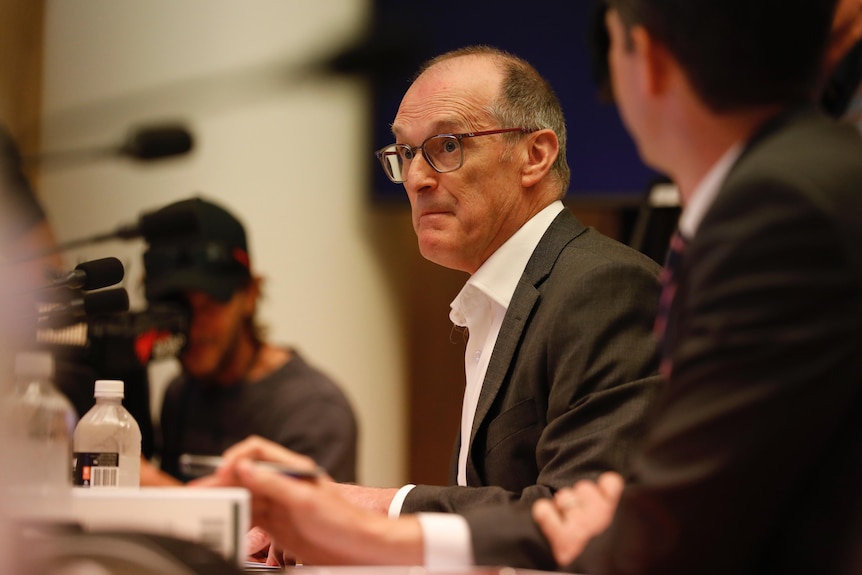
x: 289, y: 155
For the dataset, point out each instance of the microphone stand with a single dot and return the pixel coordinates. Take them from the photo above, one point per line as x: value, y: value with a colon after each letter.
x: 71, y: 244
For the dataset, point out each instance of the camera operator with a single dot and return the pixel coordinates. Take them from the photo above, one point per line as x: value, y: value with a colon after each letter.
x: 233, y: 382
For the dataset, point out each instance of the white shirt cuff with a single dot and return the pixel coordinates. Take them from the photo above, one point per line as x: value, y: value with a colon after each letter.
x: 447, y: 541
x: 398, y: 501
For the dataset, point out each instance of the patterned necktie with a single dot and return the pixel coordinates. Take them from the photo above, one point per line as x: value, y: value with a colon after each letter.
x: 668, y: 278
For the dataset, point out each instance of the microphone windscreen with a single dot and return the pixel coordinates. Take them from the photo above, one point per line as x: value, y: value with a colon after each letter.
x: 158, y: 142
x: 108, y: 301
x: 101, y: 273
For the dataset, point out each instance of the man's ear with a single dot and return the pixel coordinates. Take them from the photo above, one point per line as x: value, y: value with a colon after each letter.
x: 654, y: 59
x: 542, y: 151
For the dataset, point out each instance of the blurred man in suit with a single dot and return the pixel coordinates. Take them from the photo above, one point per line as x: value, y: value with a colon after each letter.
x: 754, y: 459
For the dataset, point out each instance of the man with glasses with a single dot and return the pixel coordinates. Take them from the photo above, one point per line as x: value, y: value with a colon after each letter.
x: 233, y: 382
x: 560, y: 360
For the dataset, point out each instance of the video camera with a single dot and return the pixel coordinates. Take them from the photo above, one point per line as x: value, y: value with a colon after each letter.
x: 93, y: 324
x: 86, y: 324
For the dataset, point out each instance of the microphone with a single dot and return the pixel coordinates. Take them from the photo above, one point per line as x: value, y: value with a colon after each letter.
x: 163, y: 223
x: 157, y: 142
x: 144, y: 144
x: 90, y: 304
x: 94, y: 274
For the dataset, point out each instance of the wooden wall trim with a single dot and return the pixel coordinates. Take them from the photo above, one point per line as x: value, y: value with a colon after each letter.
x: 21, y: 56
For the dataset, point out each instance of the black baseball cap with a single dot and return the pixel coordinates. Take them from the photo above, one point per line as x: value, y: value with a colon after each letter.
x: 211, y: 256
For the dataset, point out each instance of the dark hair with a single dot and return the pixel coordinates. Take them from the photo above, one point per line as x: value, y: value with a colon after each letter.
x: 599, y: 42
x: 526, y: 100
x: 740, y: 53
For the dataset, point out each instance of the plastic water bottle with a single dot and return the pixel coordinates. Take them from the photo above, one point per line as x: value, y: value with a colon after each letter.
x: 107, y: 441
x: 41, y: 421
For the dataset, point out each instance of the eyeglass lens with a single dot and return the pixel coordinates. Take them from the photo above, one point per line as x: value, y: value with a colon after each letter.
x: 443, y: 152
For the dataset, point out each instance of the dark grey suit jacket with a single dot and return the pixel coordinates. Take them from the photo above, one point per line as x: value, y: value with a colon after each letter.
x: 754, y: 464
x: 570, y: 378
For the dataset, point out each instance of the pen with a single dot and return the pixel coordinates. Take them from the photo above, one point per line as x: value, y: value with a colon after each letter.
x: 197, y: 465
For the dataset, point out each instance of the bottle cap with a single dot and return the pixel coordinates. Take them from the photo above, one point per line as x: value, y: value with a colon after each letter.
x: 38, y: 364
x: 109, y: 388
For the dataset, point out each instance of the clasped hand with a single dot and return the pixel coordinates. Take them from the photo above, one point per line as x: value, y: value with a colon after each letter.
x: 577, y: 514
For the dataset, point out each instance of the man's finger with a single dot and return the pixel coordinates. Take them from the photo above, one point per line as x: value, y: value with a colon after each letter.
x: 565, y: 499
x: 611, y: 485
x: 256, y: 540
x: 566, y: 538
x: 545, y: 513
x: 259, y: 449
x: 269, y: 484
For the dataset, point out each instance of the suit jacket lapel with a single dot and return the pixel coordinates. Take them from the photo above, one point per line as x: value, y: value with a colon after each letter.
x: 561, y: 231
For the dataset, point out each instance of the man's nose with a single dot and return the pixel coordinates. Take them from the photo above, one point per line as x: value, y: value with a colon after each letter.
x: 419, y: 172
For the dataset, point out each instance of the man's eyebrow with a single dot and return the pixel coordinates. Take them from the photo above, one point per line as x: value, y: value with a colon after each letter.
x: 440, y: 127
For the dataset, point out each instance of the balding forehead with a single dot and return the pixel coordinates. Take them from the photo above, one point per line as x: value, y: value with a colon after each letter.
x: 454, y: 93
x: 486, y: 67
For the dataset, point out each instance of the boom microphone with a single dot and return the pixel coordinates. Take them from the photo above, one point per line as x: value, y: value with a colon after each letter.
x: 157, y: 142
x: 94, y: 274
x: 144, y: 144
x: 160, y: 224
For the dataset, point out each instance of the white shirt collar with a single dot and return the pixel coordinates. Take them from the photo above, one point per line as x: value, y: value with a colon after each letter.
x: 704, y: 194
x: 498, y: 276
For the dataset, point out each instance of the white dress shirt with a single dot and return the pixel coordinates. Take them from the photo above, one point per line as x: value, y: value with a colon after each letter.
x: 704, y: 193
x: 853, y: 113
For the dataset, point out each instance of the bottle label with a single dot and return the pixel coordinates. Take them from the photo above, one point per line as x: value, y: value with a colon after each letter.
x: 96, y: 469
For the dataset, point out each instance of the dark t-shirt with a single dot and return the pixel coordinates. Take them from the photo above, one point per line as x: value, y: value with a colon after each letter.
x: 296, y: 406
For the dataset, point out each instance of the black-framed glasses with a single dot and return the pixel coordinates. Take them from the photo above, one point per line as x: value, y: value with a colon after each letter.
x: 443, y: 152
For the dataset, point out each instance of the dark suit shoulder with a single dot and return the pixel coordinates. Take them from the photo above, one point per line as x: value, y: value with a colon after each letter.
x: 568, y: 240
x: 809, y: 156
x: 594, y: 246
x: 800, y: 181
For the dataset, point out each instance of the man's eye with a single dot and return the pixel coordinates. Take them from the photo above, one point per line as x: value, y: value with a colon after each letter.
x: 450, y: 146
